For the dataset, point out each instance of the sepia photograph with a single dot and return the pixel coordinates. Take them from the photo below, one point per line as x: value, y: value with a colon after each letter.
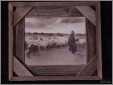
x: 55, y: 41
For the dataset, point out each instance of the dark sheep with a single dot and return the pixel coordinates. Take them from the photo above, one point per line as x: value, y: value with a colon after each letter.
x: 33, y: 49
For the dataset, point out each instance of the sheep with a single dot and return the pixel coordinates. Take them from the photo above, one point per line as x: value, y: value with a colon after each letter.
x: 32, y: 49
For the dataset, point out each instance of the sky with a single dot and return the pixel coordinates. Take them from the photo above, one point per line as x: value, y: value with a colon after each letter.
x: 55, y: 25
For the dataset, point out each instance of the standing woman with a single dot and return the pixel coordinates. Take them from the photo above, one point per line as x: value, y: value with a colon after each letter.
x: 72, y: 42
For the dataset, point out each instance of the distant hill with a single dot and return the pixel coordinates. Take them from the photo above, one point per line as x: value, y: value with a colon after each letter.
x: 48, y: 34
x: 53, y: 34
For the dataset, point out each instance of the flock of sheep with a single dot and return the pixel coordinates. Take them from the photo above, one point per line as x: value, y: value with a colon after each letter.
x: 42, y: 43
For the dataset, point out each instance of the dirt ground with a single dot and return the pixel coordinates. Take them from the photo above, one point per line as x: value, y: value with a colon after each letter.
x: 58, y: 56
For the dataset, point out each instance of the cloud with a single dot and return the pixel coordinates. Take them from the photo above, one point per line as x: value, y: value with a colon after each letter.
x: 55, y: 25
